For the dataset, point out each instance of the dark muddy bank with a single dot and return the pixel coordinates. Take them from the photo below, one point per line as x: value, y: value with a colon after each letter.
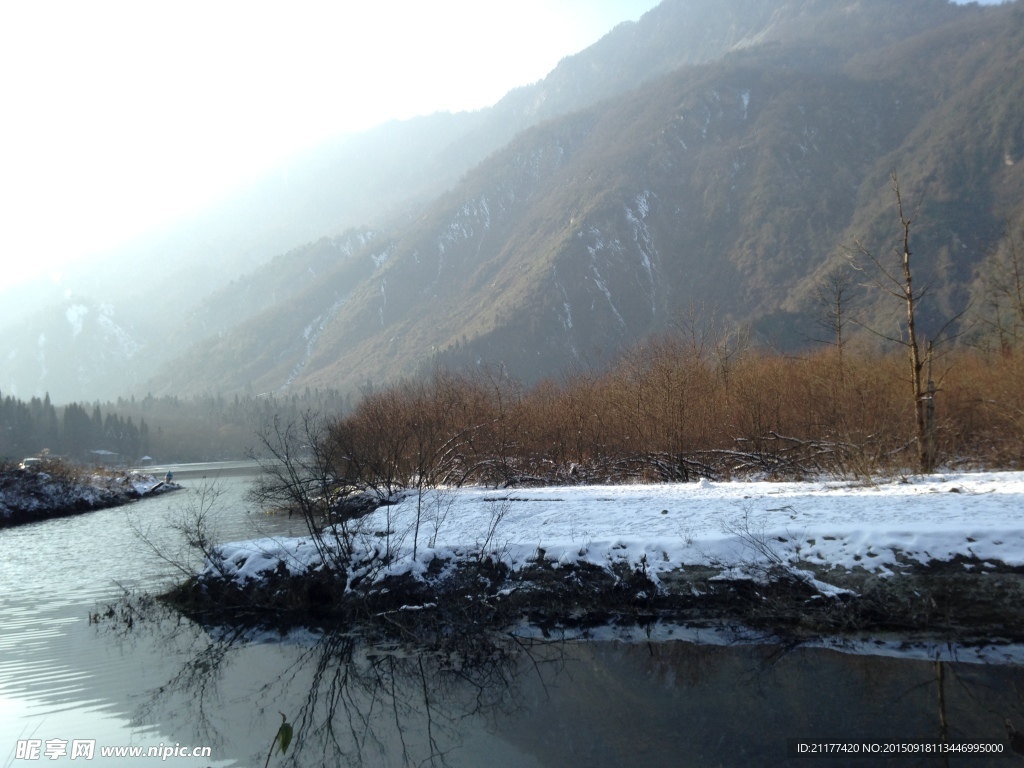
x: 960, y: 601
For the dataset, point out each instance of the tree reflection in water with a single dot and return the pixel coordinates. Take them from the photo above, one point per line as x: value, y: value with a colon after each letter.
x: 457, y: 697
x: 353, y: 700
x: 394, y: 705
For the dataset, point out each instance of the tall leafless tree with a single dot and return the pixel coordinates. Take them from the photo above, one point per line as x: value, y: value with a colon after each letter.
x: 899, y: 283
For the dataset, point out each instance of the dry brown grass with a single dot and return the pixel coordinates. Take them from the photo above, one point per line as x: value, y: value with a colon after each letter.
x: 673, y: 409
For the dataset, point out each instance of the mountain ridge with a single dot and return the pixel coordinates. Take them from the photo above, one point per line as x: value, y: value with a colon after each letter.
x: 731, y: 183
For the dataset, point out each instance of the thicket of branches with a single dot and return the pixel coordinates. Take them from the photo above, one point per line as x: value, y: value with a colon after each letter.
x: 678, y: 408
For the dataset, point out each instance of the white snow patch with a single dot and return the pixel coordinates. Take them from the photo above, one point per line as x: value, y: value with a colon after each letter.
x: 76, y: 317
x: 739, y: 527
x: 118, y: 336
x: 642, y: 238
x: 311, y: 334
x: 600, y: 283
x: 379, y: 259
x: 643, y: 207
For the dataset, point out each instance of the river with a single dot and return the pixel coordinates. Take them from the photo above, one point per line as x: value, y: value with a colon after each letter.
x: 682, y: 697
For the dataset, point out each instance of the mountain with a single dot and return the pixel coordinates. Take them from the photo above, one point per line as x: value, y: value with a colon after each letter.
x: 716, y: 154
x: 381, y: 175
x: 733, y: 184
x: 81, y: 341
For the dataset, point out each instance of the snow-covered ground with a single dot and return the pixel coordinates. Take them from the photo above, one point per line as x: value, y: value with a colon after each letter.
x: 36, y: 494
x: 738, y: 526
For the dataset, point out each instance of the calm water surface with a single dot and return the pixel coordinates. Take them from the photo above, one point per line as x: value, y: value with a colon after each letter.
x: 475, y: 700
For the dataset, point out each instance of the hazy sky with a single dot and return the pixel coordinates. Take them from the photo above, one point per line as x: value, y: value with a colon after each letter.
x: 116, y: 117
x: 121, y: 116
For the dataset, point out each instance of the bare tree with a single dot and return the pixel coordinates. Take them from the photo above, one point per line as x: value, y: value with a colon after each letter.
x: 300, y: 474
x: 833, y: 297
x: 194, y: 522
x: 899, y: 283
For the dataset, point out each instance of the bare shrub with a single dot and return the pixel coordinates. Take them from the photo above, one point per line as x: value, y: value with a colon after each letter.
x: 678, y: 407
x: 194, y: 523
x: 306, y: 473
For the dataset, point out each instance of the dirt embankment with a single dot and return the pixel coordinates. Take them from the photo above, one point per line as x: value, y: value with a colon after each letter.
x: 962, y: 600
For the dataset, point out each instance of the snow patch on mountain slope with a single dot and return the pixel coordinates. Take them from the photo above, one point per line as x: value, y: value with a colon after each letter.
x: 311, y: 335
x: 76, y: 317
x: 603, y: 286
x: 117, y: 337
x: 641, y: 236
x: 380, y: 259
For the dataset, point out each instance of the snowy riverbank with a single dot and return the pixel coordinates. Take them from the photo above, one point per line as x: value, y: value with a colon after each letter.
x: 924, y: 550
x: 28, y: 495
